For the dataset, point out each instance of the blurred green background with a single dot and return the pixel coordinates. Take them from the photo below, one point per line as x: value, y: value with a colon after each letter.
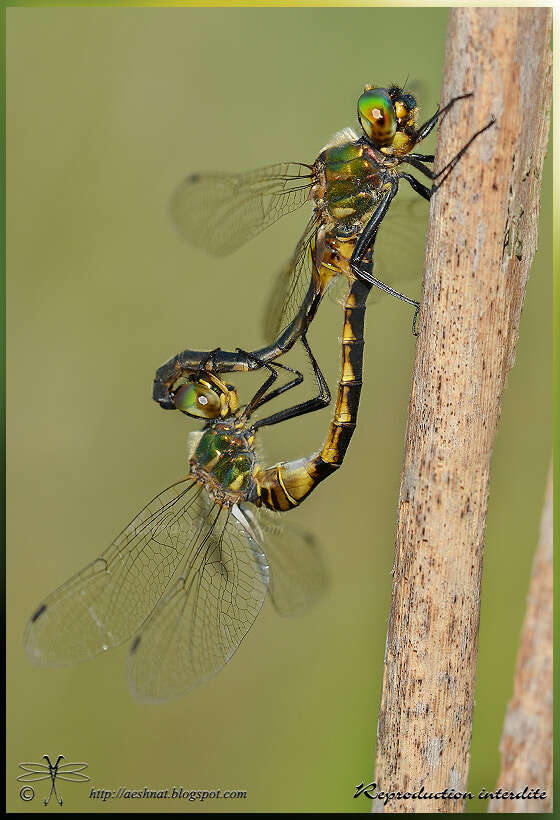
x: 107, y: 109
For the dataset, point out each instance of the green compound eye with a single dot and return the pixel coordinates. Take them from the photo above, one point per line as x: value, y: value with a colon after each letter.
x: 198, y: 400
x: 377, y: 116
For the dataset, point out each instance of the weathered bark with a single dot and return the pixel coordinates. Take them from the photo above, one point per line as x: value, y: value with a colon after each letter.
x: 526, y: 745
x: 481, y: 242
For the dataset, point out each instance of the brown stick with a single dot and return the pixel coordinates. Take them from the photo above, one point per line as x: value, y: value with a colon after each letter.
x: 526, y: 745
x: 482, y: 238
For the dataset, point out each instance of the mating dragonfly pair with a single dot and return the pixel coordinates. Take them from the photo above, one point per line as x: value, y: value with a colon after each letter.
x: 187, y: 577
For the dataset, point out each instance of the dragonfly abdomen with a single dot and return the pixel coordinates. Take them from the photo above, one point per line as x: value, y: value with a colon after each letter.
x: 350, y: 382
x: 287, y: 484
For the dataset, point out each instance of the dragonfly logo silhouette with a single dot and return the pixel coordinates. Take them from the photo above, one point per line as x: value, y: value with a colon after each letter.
x: 34, y: 772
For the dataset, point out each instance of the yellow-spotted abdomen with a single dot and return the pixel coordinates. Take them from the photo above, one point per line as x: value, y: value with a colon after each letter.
x: 287, y: 484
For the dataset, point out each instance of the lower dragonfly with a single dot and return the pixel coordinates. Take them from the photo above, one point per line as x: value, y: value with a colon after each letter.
x: 351, y: 184
x: 189, y: 574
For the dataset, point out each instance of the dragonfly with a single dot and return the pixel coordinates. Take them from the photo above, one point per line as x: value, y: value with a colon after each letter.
x: 187, y: 577
x: 71, y: 772
x: 351, y: 186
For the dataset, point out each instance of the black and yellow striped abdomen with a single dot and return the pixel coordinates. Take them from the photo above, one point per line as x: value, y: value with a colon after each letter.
x: 287, y: 484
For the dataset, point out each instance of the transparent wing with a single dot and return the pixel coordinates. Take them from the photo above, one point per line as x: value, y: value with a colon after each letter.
x: 398, y: 258
x: 107, y: 602
x: 200, y: 623
x: 291, y: 285
x: 400, y: 245
x: 193, y: 440
x: 36, y: 772
x: 398, y: 252
x: 298, y: 577
x: 72, y: 772
x: 220, y: 212
x: 72, y: 768
x: 34, y: 768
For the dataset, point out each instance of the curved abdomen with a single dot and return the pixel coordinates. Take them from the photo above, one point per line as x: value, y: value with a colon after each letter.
x: 287, y: 484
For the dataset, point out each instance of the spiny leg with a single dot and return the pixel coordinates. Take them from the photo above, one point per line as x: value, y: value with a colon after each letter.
x: 416, y: 185
x: 419, y: 165
x: 430, y: 124
x: 446, y: 170
x: 420, y: 157
x: 283, y: 387
x: 262, y: 396
x: 309, y: 406
x: 364, y: 252
x: 360, y: 266
x: 413, y: 160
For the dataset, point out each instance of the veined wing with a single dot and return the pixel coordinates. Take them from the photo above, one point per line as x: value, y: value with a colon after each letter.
x: 72, y: 772
x: 400, y: 245
x: 298, y: 577
x: 220, y: 212
x: 106, y: 603
x: 291, y: 285
x: 398, y: 252
x: 398, y: 257
x: 208, y: 611
x: 35, y: 772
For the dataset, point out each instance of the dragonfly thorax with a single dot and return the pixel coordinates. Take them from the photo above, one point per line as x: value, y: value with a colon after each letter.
x: 350, y: 178
x: 224, y: 461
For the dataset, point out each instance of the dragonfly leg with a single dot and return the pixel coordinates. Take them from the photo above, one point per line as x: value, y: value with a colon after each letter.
x: 361, y: 264
x: 259, y: 396
x: 416, y: 163
x: 430, y: 124
x: 298, y: 378
x: 265, y: 395
x: 421, y: 157
x: 316, y: 403
x: 416, y: 185
x: 366, y: 240
x: 446, y: 170
x: 414, y: 321
x: 414, y: 160
x: 397, y: 294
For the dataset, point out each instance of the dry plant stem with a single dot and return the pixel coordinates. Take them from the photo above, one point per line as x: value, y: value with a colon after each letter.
x: 482, y: 238
x: 526, y: 745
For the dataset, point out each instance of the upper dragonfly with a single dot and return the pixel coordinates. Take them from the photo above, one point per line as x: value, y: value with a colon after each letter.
x: 351, y: 185
x: 220, y: 212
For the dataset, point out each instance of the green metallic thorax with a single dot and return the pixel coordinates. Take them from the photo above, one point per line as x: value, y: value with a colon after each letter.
x: 352, y: 181
x: 224, y: 460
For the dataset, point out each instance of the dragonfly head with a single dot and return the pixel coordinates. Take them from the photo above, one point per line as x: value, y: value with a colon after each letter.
x: 206, y: 397
x: 388, y: 118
